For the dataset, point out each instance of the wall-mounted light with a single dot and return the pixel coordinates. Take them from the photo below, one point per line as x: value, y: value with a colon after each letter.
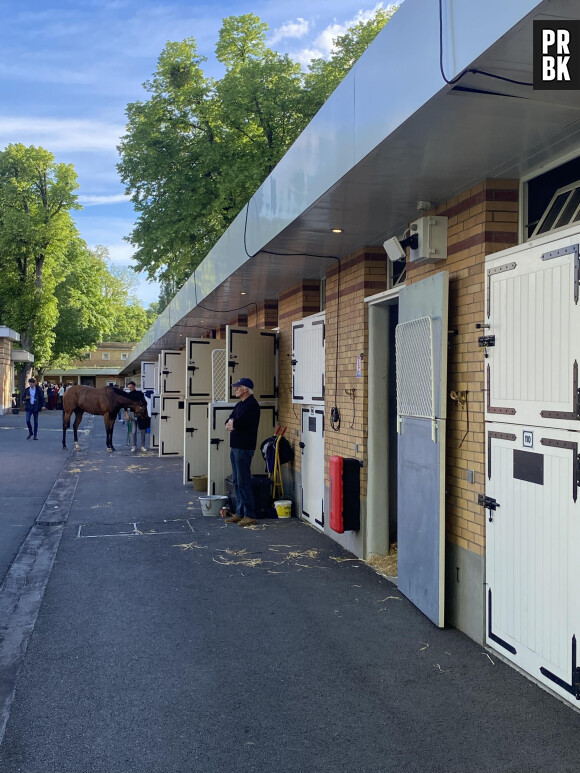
x: 337, y: 230
x: 243, y: 293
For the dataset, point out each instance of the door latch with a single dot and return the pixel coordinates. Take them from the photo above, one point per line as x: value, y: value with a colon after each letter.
x: 215, y: 441
x: 488, y: 503
x: 576, y: 678
x: 484, y: 342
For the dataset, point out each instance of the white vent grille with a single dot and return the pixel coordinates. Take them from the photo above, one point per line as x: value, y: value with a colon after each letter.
x: 219, y: 373
x: 415, y: 382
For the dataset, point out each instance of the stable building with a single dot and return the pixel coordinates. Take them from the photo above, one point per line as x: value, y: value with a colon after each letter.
x: 403, y: 290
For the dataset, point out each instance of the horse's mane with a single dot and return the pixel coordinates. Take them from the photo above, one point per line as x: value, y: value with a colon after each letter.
x: 136, y: 396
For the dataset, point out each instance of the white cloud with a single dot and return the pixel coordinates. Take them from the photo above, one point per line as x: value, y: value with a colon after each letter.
x: 60, y: 134
x: 120, y: 253
x: 292, y: 29
x: 116, y: 198
x: 306, y: 55
x: 322, y: 45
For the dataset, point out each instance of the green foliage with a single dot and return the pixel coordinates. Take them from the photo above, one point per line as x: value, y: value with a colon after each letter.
x: 325, y: 74
x: 60, y: 296
x: 36, y: 196
x: 197, y: 149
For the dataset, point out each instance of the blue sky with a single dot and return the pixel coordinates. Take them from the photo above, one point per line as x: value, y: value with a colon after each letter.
x: 68, y: 69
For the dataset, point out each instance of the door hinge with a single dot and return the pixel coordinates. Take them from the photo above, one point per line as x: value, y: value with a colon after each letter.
x: 485, y: 341
x: 488, y: 503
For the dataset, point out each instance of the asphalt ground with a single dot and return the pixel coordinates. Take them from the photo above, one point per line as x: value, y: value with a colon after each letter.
x: 167, y: 641
x: 28, y: 471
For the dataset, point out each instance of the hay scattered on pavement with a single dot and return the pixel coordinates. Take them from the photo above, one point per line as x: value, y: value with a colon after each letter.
x: 341, y: 560
x: 385, y: 565
x: 190, y: 546
x: 244, y: 562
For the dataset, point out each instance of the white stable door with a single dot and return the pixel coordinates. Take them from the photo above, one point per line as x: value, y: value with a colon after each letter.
x: 171, y: 419
x: 252, y: 354
x: 308, y: 336
x: 312, y: 472
x: 421, y: 365
x: 219, y: 465
x: 198, y: 382
x: 172, y: 372
x: 532, y: 568
x: 532, y: 467
x: 154, y: 413
x: 195, y: 440
x: 533, y: 351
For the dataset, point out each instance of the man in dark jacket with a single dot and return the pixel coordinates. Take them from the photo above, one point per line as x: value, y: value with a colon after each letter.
x: 242, y: 425
x: 33, y: 404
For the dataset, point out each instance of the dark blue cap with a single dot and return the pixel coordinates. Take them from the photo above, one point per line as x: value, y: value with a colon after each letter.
x: 247, y: 382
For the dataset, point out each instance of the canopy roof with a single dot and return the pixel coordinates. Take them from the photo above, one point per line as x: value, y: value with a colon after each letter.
x: 394, y: 132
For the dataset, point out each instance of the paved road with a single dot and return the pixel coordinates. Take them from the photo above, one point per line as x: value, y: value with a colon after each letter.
x: 28, y: 471
x: 168, y: 641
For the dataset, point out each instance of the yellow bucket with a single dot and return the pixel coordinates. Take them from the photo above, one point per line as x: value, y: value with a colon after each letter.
x: 283, y: 508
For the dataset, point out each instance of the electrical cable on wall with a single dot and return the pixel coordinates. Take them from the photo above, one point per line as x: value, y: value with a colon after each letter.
x: 219, y: 311
x: 467, y: 416
x: 472, y: 70
x: 334, y: 412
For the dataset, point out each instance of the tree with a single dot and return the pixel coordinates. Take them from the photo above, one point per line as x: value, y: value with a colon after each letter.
x: 197, y: 149
x: 324, y: 75
x: 36, y: 199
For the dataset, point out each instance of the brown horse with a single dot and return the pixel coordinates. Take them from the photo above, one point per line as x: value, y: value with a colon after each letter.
x: 105, y: 402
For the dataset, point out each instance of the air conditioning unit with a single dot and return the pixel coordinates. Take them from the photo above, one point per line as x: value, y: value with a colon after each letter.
x: 431, y: 231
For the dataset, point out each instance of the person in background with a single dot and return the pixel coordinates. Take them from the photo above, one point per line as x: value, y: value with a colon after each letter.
x: 130, y: 416
x: 51, y: 393
x: 33, y: 404
x: 242, y: 425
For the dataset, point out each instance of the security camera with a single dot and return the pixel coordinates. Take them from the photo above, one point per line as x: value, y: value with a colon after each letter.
x: 394, y: 249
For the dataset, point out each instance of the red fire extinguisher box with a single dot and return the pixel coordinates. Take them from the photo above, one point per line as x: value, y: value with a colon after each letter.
x: 344, y: 494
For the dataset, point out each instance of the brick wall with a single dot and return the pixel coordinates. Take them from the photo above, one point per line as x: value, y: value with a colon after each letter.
x: 482, y: 220
x: 361, y: 274
x: 264, y: 315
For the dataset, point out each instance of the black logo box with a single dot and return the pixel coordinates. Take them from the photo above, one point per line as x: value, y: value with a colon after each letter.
x: 565, y: 59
